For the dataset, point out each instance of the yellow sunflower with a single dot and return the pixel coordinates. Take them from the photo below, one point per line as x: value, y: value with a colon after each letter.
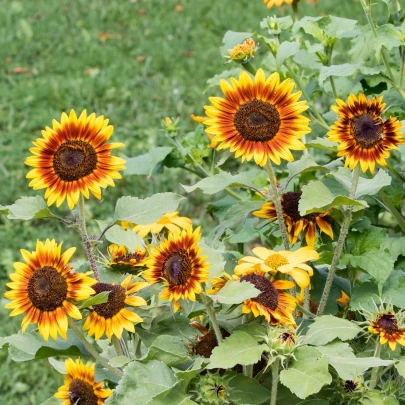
x: 74, y: 157
x: 386, y: 326
x: 112, y: 316
x: 123, y: 260
x: 258, y: 119
x: 178, y: 263
x: 362, y: 134
x: 278, y: 3
x: 284, y: 261
x: 80, y: 386
x: 244, y: 51
x: 171, y: 221
x: 43, y: 286
x: 293, y: 219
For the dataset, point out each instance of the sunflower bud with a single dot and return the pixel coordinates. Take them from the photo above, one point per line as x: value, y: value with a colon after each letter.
x: 243, y: 52
x: 212, y: 390
x: 169, y: 125
x: 282, y: 342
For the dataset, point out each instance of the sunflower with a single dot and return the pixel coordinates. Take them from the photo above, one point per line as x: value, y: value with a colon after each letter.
x: 178, y: 263
x: 171, y: 221
x: 43, y: 286
x: 125, y: 261
x: 80, y: 386
x: 362, y: 134
x: 344, y: 299
x: 112, y: 316
x: 278, y: 3
x: 73, y: 158
x: 386, y: 326
x: 284, y: 261
x: 243, y: 52
x: 293, y: 219
x: 259, y: 119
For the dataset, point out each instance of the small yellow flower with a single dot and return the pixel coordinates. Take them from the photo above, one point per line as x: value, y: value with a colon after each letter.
x: 244, y: 51
x: 344, y: 299
x: 278, y: 3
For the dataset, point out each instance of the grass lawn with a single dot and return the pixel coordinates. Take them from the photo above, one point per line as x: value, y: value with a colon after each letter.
x: 135, y: 61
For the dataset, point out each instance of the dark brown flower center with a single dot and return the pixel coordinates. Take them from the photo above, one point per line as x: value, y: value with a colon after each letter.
x: 367, y: 130
x: 177, y: 267
x: 129, y: 257
x: 47, y: 289
x: 269, y: 295
x: 81, y: 393
x: 116, y: 299
x: 74, y: 160
x: 350, y: 386
x: 290, y: 205
x: 388, y: 322
x: 287, y: 337
x: 257, y: 121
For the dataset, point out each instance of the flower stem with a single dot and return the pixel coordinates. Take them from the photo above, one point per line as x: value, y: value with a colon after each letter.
x: 374, y: 373
x: 306, y: 312
x: 249, y: 67
x: 85, y: 238
x: 307, y: 302
x: 295, y: 10
x: 341, y: 241
x: 391, y: 208
x: 120, y: 347
x: 276, y: 196
x: 93, y: 351
x: 207, y: 301
x: 274, y: 385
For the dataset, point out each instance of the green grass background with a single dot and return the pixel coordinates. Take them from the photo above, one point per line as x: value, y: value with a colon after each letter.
x: 154, y: 63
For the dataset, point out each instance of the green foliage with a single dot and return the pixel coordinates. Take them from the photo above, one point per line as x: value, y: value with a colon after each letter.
x: 235, y: 292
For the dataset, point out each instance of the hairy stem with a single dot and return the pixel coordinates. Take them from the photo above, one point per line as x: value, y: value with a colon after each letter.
x: 341, y: 241
x: 374, y: 373
x: 85, y: 238
x: 274, y: 385
x: 307, y: 301
x: 120, y: 347
x: 207, y: 301
x: 92, y: 350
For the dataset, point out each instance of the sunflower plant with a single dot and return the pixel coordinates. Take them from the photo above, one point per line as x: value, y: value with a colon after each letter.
x: 286, y: 281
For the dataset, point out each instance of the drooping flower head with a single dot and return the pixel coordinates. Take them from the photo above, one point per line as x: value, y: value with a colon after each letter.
x: 258, y: 119
x: 80, y: 386
x: 125, y: 261
x: 278, y: 3
x: 296, y: 223
x: 178, y: 264
x: 44, y: 286
x: 386, y: 325
x: 286, y: 262
x: 73, y: 158
x: 112, y: 317
x: 171, y: 221
x: 364, y: 138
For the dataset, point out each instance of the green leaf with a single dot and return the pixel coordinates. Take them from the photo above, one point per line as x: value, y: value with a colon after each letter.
x: 245, y: 390
x: 370, y: 239
x: 327, y: 328
x: 322, y: 143
x: 226, y: 74
x: 311, y: 26
x: 168, y: 349
x: 119, y: 361
x: 27, y: 208
x: 59, y: 366
x: 395, y: 245
x: 145, y: 164
x: 389, y: 37
x: 308, y: 374
x: 285, y: 50
x: 378, y: 398
x: 235, y: 292
x: 341, y: 27
x: 316, y: 197
x: 239, y: 348
x: 218, y: 182
x: 231, y: 39
x: 100, y: 298
x: 341, y: 357
x: 147, y: 211
x: 172, y: 396
x: 364, y: 296
x: 141, y: 382
x: 120, y: 236
x: 303, y: 165
x: 345, y: 70
x: 400, y: 366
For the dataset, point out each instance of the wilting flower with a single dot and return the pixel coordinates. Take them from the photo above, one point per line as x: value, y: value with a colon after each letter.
x: 178, y: 264
x: 74, y: 157
x: 258, y: 119
x: 284, y: 261
x: 124, y: 260
x: 244, y: 51
x: 80, y: 386
x: 386, y: 325
x: 171, y: 221
x: 362, y: 134
x: 112, y: 316
x: 43, y: 286
x: 344, y: 299
x: 278, y: 3
x: 296, y: 223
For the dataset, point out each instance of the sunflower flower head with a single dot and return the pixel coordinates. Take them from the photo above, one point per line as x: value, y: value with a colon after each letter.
x: 286, y: 262
x: 212, y: 390
x: 179, y: 265
x: 73, y: 158
x: 125, y: 261
x: 80, y: 386
x: 277, y: 3
x: 44, y: 286
x: 170, y: 221
x: 282, y: 342
x: 297, y: 223
x: 363, y: 137
x: 259, y: 119
x: 170, y: 126
x: 113, y: 316
x: 243, y: 52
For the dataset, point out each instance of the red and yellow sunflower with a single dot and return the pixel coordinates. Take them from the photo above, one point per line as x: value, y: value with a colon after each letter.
x: 124, y: 260
x: 386, y: 325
